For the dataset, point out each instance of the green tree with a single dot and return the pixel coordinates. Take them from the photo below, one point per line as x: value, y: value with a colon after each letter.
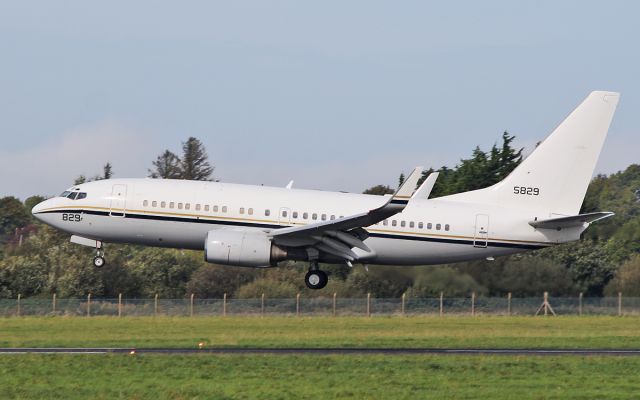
x: 213, y: 281
x: 379, y: 190
x: 166, y: 166
x: 194, y: 162
x: 626, y: 279
x: 13, y: 215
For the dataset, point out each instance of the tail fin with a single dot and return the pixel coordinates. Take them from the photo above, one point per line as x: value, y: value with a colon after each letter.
x: 555, y: 176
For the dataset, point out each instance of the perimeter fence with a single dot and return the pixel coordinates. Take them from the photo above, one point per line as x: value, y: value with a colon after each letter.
x: 321, y: 306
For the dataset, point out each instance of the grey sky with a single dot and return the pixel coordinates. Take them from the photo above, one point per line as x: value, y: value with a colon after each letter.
x: 336, y: 95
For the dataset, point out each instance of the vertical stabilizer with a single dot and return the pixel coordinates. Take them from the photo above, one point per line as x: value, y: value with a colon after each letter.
x: 555, y: 176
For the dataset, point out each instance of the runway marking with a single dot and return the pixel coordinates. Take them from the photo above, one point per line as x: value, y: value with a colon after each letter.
x: 325, y: 351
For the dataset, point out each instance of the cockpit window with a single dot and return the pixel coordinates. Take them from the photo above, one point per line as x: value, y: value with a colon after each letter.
x: 74, y: 195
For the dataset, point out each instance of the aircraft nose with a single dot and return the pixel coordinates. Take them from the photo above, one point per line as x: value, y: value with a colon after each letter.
x: 37, y: 209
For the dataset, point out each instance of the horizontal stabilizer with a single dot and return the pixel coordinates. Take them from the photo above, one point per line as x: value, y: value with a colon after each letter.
x: 570, y: 222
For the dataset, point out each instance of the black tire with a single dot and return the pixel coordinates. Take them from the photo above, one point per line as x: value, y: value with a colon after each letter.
x: 98, y: 262
x: 316, y: 279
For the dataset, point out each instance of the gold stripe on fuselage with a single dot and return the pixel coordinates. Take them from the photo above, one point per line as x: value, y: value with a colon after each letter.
x: 268, y: 221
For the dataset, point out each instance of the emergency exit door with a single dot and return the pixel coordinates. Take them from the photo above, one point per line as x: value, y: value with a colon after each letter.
x: 482, y: 231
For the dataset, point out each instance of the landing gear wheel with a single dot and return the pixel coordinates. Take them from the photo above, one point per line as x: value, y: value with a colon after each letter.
x: 316, y: 279
x: 98, y: 261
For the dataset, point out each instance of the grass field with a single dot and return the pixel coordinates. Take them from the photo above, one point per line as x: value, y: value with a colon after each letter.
x: 435, y: 332
x: 327, y: 377
x: 206, y: 376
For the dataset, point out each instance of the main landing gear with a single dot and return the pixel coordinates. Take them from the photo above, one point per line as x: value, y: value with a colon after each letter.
x: 315, y: 278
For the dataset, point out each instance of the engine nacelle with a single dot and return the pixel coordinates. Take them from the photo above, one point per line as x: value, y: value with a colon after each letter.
x: 241, y: 248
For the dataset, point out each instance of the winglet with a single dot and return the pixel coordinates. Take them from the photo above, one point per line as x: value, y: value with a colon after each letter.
x: 289, y: 185
x: 407, y: 188
x: 425, y: 189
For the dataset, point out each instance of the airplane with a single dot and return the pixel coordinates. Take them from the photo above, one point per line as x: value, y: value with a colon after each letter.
x: 534, y: 207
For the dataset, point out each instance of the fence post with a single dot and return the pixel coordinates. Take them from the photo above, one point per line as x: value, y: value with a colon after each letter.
x: 19, y: 296
x: 509, y: 304
x: 619, y: 304
x: 580, y: 304
x: 89, y: 305
x: 368, y: 304
x: 191, y: 306
x: 53, y: 303
x: 441, y: 304
x: 334, y: 303
x: 298, y: 305
x: 546, y: 301
x: 224, y: 305
x: 403, y: 299
x: 119, y: 304
x: 155, y: 305
x: 473, y: 304
x: 262, y: 305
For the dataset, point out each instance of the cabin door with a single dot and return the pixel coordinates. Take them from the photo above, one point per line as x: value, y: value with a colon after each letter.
x: 118, y: 202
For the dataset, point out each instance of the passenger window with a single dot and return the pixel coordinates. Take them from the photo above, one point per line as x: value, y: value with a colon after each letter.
x: 385, y: 222
x: 429, y: 225
x: 394, y: 223
x: 241, y: 210
x: 81, y: 195
x: 224, y: 209
x: 206, y: 207
x: 215, y: 208
x: 179, y: 206
x: 145, y: 203
x: 187, y: 206
x: 446, y: 227
x: 284, y: 213
x: 154, y: 203
x: 314, y: 216
x: 163, y: 204
x: 332, y: 217
x: 172, y: 204
x: 323, y: 217
x: 438, y: 226
x: 250, y: 211
x: 294, y: 214
x: 412, y: 225
x: 402, y: 224
x: 305, y: 215
x: 197, y: 207
x: 420, y: 225
x: 267, y: 213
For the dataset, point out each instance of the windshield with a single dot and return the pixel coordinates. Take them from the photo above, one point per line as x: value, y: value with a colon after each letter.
x: 74, y: 195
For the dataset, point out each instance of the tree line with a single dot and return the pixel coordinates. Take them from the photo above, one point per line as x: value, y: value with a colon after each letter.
x: 36, y: 260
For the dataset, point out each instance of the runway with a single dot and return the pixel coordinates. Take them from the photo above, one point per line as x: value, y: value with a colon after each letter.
x: 324, y: 351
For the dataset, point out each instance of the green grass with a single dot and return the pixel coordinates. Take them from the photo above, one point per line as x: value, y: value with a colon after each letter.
x: 328, y: 377
x: 447, y: 332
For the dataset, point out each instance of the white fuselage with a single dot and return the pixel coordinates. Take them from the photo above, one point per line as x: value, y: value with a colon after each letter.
x: 179, y: 214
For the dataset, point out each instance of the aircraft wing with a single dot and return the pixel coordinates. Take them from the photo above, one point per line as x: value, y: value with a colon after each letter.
x: 570, y: 222
x: 339, y: 236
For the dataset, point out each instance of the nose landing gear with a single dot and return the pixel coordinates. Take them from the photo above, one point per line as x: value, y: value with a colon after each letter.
x: 98, y: 260
x: 315, y: 278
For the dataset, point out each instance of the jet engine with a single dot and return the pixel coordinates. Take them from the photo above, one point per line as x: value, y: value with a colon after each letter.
x: 241, y: 248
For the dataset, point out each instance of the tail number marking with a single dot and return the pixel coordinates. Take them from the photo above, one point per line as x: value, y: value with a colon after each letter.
x: 527, y: 191
x: 72, y: 217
